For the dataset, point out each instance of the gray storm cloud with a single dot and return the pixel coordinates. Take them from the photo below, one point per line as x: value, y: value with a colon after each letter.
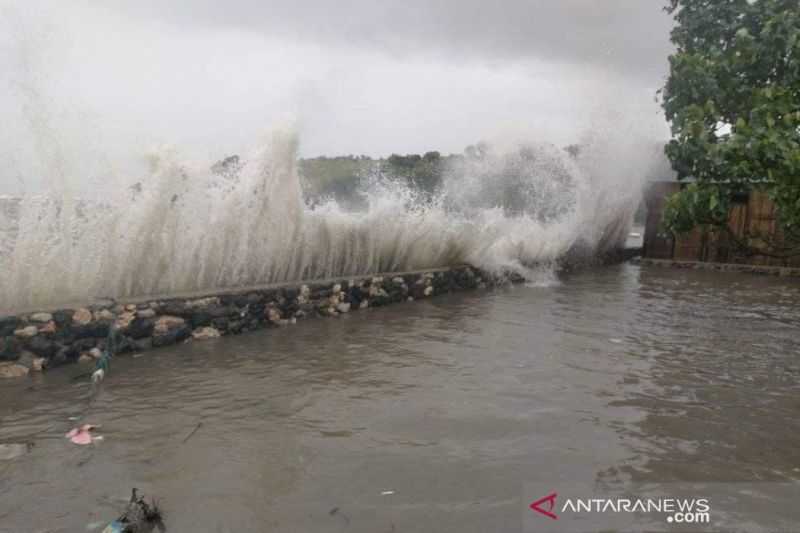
x: 355, y: 76
x: 630, y: 36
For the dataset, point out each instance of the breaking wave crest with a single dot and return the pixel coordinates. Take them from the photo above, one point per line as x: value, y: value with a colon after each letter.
x: 183, y: 227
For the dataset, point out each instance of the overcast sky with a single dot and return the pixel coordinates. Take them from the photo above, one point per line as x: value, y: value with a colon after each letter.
x: 355, y: 76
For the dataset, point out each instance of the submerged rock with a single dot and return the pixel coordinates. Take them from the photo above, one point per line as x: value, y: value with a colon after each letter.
x: 12, y: 370
x: 205, y: 333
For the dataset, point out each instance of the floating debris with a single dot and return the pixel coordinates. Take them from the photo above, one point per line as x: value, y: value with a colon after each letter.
x: 83, y: 435
x: 190, y: 435
x: 338, y: 512
x: 387, y: 493
x: 139, y: 517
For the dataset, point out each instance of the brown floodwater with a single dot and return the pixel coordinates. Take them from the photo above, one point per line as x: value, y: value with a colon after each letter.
x: 427, y: 416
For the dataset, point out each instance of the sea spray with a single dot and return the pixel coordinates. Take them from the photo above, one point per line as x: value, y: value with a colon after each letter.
x: 182, y: 227
x: 89, y: 216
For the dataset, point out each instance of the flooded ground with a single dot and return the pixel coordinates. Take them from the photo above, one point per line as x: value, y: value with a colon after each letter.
x: 429, y: 416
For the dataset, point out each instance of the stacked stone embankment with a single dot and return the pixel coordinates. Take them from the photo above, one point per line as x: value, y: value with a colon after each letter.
x: 45, y: 339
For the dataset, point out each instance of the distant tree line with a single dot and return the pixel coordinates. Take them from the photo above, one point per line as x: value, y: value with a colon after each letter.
x: 340, y: 177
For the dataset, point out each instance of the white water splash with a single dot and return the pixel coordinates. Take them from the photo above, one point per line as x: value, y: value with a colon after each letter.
x: 85, y: 222
x: 184, y: 228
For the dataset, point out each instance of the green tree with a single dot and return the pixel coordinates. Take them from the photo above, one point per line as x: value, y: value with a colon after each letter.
x: 422, y: 173
x: 733, y: 101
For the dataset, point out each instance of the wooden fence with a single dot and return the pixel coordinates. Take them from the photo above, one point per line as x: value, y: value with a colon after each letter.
x: 751, y: 218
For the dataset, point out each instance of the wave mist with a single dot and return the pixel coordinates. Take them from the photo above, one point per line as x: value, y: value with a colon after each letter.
x: 184, y: 227
x: 87, y: 216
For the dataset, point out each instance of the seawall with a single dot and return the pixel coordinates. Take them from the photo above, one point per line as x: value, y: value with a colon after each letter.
x: 34, y: 341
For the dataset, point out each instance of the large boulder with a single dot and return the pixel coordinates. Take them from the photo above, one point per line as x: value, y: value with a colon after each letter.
x: 82, y: 316
x: 172, y: 336
x: 355, y: 294
x: 63, y: 318
x: 10, y: 349
x: 170, y: 330
x: 8, y: 324
x: 166, y: 323
x: 146, y: 313
x: 204, y: 316
x: 141, y: 328
x: 90, y: 329
x: 175, y: 308
x: 42, y: 318
x: 124, y: 319
x: 27, y: 332
x: 42, y: 347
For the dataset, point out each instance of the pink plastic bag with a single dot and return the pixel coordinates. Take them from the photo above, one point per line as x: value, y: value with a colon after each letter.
x: 81, y: 435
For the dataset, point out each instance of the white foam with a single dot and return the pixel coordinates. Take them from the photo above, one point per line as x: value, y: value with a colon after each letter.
x: 188, y: 229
